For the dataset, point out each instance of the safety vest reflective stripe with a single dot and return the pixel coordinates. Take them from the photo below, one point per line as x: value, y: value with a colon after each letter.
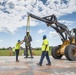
x: 45, y: 42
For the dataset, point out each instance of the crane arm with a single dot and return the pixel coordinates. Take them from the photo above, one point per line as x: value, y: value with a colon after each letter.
x: 60, y: 28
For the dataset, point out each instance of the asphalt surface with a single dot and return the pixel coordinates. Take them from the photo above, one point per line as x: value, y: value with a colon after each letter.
x: 8, y: 66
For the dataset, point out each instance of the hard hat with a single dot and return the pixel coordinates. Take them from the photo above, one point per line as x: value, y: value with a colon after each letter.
x: 18, y: 40
x: 44, y: 36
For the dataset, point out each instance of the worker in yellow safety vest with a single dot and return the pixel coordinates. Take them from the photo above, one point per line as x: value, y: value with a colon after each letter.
x: 45, y: 50
x: 13, y: 49
x: 17, y: 48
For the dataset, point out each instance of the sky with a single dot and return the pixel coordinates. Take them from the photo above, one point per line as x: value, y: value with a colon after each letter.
x: 13, y: 20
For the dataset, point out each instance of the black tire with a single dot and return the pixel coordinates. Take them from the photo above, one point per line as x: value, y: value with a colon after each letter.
x: 54, y: 53
x: 70, y: 52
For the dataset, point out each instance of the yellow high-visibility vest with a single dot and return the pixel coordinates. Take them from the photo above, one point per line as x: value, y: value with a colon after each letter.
x: 17, y: 46
x: 13, y: 49
x: 45, y: 42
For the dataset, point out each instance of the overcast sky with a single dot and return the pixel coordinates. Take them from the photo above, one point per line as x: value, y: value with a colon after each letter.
x: 13, y: 20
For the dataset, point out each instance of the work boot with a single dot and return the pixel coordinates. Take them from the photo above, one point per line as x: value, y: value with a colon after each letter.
x: 49, y: 64
x: 17, y: 60
x: 39, y: 64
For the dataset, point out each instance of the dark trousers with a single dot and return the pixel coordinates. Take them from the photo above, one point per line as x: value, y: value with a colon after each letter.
x: 26, y: 51
x: 45, y: 53
x: 17, y: 54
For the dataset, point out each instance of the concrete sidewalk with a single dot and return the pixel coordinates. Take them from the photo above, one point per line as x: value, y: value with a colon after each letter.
x: 8, y: 66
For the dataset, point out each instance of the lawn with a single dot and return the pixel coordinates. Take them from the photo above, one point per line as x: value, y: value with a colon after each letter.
x: 10, y: 53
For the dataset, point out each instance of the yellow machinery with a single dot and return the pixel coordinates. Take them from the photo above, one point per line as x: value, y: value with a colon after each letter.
x: 68, y: 46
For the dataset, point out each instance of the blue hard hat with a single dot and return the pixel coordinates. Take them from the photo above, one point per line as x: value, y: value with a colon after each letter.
x: 44, y: 36
x: 18, y: 40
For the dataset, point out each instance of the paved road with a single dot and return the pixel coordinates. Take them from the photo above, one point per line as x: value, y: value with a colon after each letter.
x: 8, y: 66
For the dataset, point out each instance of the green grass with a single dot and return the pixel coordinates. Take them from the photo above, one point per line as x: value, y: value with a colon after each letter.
x: 38, y: 52
x: 4, y: 53
x: 7, y: 52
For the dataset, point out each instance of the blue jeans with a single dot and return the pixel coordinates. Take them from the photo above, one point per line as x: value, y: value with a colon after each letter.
x: 17, y: 54
x: 45, y: 53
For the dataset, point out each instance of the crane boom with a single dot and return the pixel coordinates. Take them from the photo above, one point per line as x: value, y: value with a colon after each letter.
x: 60, y: 28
